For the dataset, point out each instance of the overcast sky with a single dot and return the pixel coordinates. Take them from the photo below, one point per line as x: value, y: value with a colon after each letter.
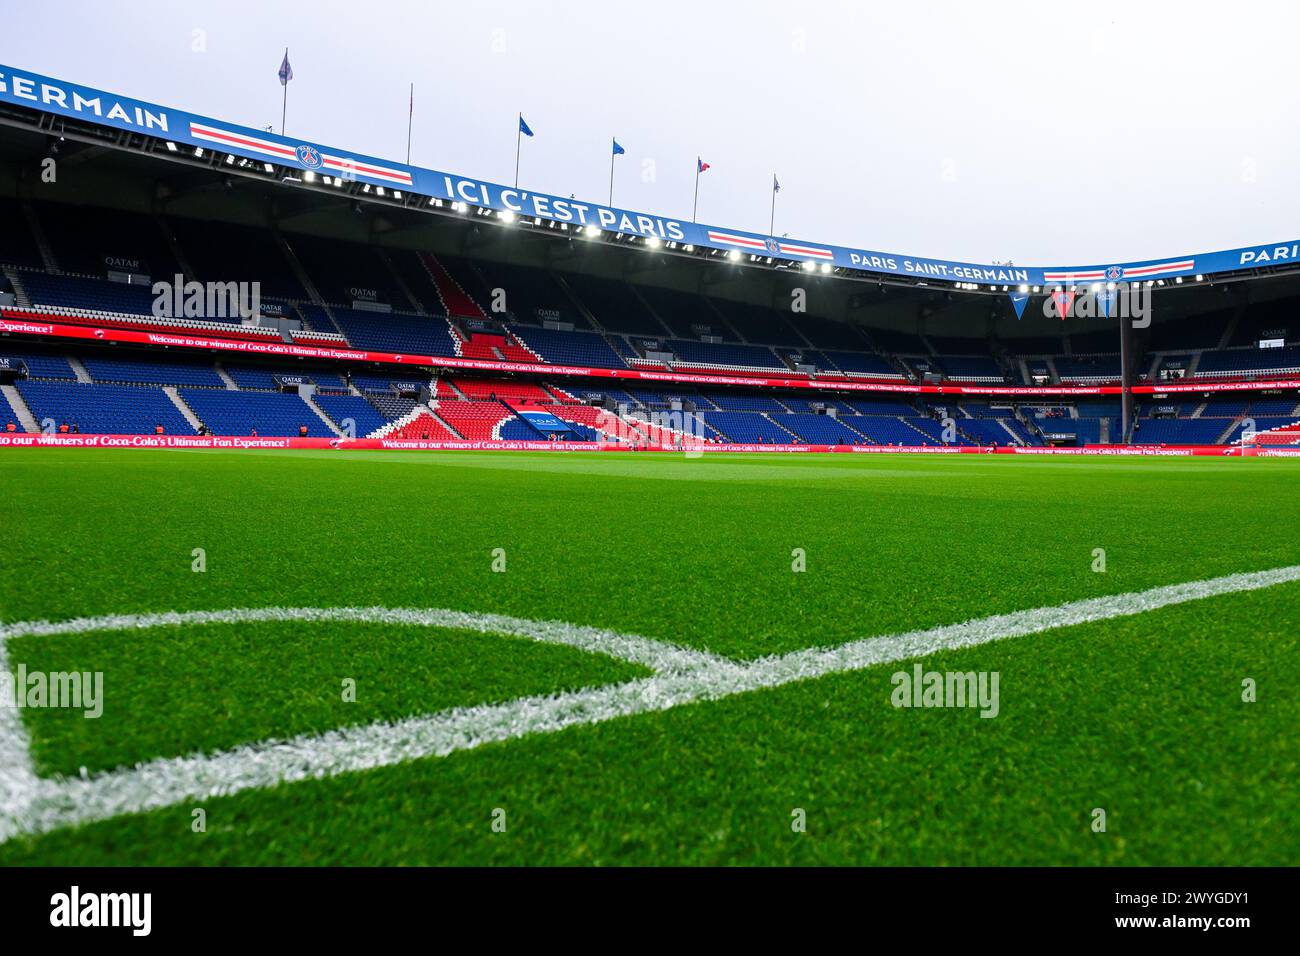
x: 1052, y: 132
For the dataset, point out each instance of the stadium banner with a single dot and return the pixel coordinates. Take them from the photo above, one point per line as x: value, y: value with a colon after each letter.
x: 241, y: 442
x: 59, y: 98
x: 540, y: 418
x: 24, y: 322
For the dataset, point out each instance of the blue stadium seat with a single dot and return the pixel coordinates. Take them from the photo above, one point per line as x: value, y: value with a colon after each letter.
x: 747, y: 427
x: 104, y: 409
x: 365, y: 416
x: 238, y: 413
x: 569, y: 348
x: 150, y: 372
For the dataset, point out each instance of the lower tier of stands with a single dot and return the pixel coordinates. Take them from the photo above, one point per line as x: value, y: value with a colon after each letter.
x: 106, y: 391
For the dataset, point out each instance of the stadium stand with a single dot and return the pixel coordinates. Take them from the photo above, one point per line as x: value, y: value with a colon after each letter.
x: 104, y: 409
x: 441, y: 306
x: 153, y: 372
x: 366, y: 417
x: 401, y: 332
x: 568, y: 348
x: 820, y: 429
x: 239, y: 413
x: 474, y: 421
x: 747, y: 427
x: 40, y: 365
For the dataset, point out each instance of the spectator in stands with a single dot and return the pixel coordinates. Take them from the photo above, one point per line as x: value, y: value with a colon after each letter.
x: 253, y: 433
x: 11, y: 427
x: 158, y: 429
x: 76, y: 429
x: 302, y: 431
x: 63, y: 429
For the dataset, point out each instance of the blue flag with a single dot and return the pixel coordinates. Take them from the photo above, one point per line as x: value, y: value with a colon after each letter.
x: 776, y: 184
x: 523, y: 127
x: 286, y: 71
x: 1018, y: 300
x: 618, y: 150
x: 1106, y: 302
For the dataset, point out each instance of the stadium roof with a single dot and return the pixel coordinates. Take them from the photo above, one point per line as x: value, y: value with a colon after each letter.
x: 71, y: 111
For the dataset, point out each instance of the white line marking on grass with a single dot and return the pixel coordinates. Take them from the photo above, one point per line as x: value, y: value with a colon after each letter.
x: 657, y: 655
x: 18, y: 780
x: 60, y: 802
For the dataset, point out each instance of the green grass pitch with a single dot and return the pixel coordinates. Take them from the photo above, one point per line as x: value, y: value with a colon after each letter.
x: 1142, y: 716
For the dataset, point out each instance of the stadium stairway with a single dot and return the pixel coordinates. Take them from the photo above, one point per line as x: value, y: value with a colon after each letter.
x: 296, y: 267
x: 420, y: 423
x: 22, y: 414
x: 398, y: 281
x: 1015, y: 439
x: 171, y: 392
x: 225, y: 377
x: 783, y: 428
x: 446, y: 425
x: 475, y: 421
x: 79, y: 370
x: 456, y: 302
x: 174, y: 244
x: 650, y: 310
x: 398, y: 424
x: 42, y: 241
x: 320, y: 413
x: 577, y: 301
x: 21, y: 298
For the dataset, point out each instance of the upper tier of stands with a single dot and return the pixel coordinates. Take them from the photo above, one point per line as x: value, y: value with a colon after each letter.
x: 481, y: 308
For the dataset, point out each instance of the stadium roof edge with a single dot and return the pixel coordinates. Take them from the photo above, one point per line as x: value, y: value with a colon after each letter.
x: 53, y: 104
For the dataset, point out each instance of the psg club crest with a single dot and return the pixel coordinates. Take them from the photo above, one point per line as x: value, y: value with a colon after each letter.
x: 773, y: 246
x: 1114, y: 273
x: 309, y: 156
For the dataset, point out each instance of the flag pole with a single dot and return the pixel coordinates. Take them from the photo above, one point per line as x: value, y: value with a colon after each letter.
x: 519, y: 132
x: 695, y: 207
x: 771, y: 225
x: 612, y: 154
x: 284, y: 106
x: 410, y: 118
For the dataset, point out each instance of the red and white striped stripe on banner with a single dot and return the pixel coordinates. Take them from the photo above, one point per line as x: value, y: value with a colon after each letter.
x: 1122, y: 273
x: 794, y: 250
x: 1091, y: 275
x: 762, y: 245
x: 1185, y: 265
x: 345, y: 164
x: 745, y: 242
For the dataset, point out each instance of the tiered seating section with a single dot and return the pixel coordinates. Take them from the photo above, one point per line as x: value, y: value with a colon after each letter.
x: 561, y: 318
x: 126, y: 396
x: 103, y: 409
x: 489, y: 310
x: 474, y: 421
